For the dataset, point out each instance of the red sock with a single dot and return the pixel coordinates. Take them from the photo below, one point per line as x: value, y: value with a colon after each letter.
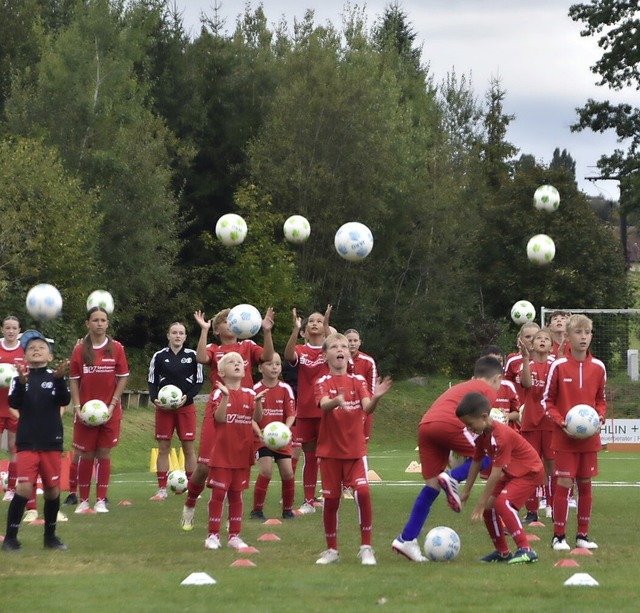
x: 73, y: 477
x: 193, y: 492
x: 294, y: 464
x: 216, y: 503
x: 362, y: 496
x: 32, y: 503
x: 509, y: 515
x: 310, y: 476
x: 13, y: 474
x: 330, y: 521
x: 234, y: 498
x: 188, y: 473
x: 551, y: 488
x: 496, y: 533
x: 162, y: 478
x: 288, y: 491
x: 103, y: 476
x: 260, y: 492
x: 532, y: 503
x: 585, y: 502
x: 85, y: 471
x: 560, y: 510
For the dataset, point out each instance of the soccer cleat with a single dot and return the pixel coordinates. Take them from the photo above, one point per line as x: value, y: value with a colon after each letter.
x: 496, y: 556
x: 100, y: 507
x: 450, y: 487
x: 542, y: 504
x: 61, y: 517
x: 531, y: 516
x: 84, y: 507
x: 582, y: 541
x: 212, y: 542
x: 559, y: 543
x: 11, y: 544
x: 235, y: 542
x: 161, y: 494
x: 187, y: 520
x: 330, y: 556
x: 366, y: 555
x: 347, y: 493
x: 409, y: 549
x: 288, y: 514
x: 71, y: 499
x: 307, y: 508
x: 53, y: 542
x: 257, y: 515
x: 8, y: 496
x: 30, y: 515
x: 524, y: 556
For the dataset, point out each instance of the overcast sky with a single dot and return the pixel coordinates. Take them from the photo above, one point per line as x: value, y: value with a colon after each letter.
x: 533, y: 47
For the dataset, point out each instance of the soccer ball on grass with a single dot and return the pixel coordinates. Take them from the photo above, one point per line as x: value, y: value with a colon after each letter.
x: 441, y: 544
x: 177, y: 481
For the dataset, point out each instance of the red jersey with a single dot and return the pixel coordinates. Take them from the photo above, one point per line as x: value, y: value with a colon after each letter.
x: 444, y: 408
x: 341, y: 434
x: 277, y: 404
x: 250, y: 352
x: 8, y: 356
x: 534, y: 416
x: 233, y: 439
x: 556, y: 346
x: 99, y: 380
x: 571, y: 382
x: 512, y: 370
x: 365, y: 366
x: 509, y: 451
x: 311, y: 365
x: 507, y: 401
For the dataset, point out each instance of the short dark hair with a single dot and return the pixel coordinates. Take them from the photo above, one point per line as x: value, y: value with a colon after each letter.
x: 491, y: 350
x: 473, y: 404
x: 486, y: 367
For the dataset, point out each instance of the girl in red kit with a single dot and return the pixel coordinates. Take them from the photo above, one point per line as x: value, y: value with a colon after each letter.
x: 98, y: 370
x: 232, y: 451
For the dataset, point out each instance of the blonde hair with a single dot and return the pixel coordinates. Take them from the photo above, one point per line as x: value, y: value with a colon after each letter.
x: 333, y: 337
x: 227, y: 357
x: 219, y: 317
x: 529, y: 324
x: 579, y: 321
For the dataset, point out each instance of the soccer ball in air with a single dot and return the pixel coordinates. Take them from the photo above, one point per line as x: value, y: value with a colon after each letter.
x: 276, y: 435
x: 231, y: 229
x: 546, y: 198
x: 244, y: 321
x: 541, y: 249
x: 94, y: 413
x: 498, y: 415
x: 7, y: 373
x: 177, y: 481
x: 44, y: 302
x: 296, y: 229
x: 100, y: 298
x: 353, y: 241
x: 441, y: 544
x: 522, y: 312
x: 170, y: 396
x: 582, y: 421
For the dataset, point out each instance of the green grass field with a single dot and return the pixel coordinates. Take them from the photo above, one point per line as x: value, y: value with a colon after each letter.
x: 134, y: 558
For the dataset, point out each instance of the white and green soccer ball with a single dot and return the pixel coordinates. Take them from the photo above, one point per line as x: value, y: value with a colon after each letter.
x: 276, y: 435
x: 4, y: 479
x: 244, y: 321
x: 498, y: 415
x: 94, y: 413
x: 541, y: 249
x: 296, y: 229
x: 353, y: 241
x: 582, y: 421
x: 442, y: 544
x: 177, y: 481
x: 7, y: 373
x: 522, y: 312
x: 44, y: 302
x: 231, y: 229
x: 101, y: 298
x: 546, y: 198
x: 170, y: 396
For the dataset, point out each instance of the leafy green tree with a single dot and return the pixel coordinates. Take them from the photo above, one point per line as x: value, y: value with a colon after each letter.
x: 563, y: 161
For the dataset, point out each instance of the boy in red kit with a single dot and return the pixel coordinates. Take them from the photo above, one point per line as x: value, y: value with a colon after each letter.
x: 439, y: 433
x: 558, y: 328
x: 311, y: 364
x: 577, y: 378
x: 516, y: 472
x: 278, y: 405
x: 252, y: 354
x: 513, y: 364
x: 343, y: 398
x: 507, y: 402
x: 234, y: 408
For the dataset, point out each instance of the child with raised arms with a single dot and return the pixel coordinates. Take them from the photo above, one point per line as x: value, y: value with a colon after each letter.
x: 234, y: 408
x: 513, y: 365
x: 343, y: 398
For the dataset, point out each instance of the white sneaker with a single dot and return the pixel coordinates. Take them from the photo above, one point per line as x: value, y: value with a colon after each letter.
x: 307, y: 508
x: 212, y: 542
x: 84, y: 507
x: 542, y: 504
x: 161, y: 494
x: 366, y: 555
x: 572, y: 502
x: 187, y: 519
x: 330, y: 556
x: 409, y: 549
x: 61, y: 517
x: 347, y: 493
x: 8, y: 496
x: 100, y: 507
x: 235, y: 542
x: 559, y: 543
x: 30, y: 515
x: 450, y: 487
x: 583, y: 542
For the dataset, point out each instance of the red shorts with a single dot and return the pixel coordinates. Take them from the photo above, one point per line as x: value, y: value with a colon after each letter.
x: 576, y: 465
x: 517, y: 490
x: 436, y: 439
x: 307, y: 429
x: 183, y: 422
x: 540, y: 440
x: 90, y: 438
x: 206, y: 439
x: 229, y: 479
x: 47, y: 464
x: 8, y: 423
x: 337, y: 473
